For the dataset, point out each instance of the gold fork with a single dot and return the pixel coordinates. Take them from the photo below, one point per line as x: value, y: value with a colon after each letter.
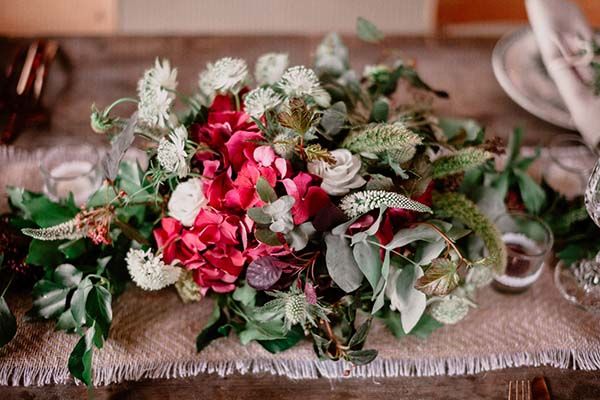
x: 519, y: 390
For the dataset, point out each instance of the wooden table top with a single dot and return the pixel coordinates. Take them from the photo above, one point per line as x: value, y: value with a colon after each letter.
x: 105, y: 69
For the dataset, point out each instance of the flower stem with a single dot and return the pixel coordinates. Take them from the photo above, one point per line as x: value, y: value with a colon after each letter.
x: 108, y: 109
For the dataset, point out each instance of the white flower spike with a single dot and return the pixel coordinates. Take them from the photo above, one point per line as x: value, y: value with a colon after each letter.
x: 149, y: 271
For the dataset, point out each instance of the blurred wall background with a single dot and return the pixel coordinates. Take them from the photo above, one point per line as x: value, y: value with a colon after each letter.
x: 198, y: 17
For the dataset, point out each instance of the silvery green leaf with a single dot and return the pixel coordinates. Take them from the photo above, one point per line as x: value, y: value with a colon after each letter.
x: 430, y: 251
x: 489, y: 201
x: 342, y: 228
x: 380, y: 110
x: 367, y: 31
x: 409, y: 235
x: 409, y: 301
x: 375, y: 227
x: 265, y: 191
x: 257, y: 215
x: 341, y: 264
x: 367, y: 259
x: 110, y: 162
x: 453, y: 127
x: 245, y: 295
x: 333, y: 119
x: 379, y: 293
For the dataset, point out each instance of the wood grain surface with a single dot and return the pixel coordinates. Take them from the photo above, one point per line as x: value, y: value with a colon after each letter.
x: 104, y: 69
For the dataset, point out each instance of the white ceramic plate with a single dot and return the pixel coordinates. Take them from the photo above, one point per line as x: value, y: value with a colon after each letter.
x: 520, y: 71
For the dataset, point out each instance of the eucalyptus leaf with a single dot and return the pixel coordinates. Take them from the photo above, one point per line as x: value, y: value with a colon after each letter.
x: 430, y: 251
x: 367, y: 259
x: 380, y: 110
x: 379, y: 293
x: 265, y: 191
x: 257, y: 215
x: 266, y: 236
x: 112, y: 159
x: 245, y: 295
x: 409, y: 301
x: 8, y: 323
x: 410, y: 235
x: 341, y: 264
x: 367, y: 31
x: 333, y: 119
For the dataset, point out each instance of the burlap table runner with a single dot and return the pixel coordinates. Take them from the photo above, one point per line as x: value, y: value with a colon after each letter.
x: 153, y: 335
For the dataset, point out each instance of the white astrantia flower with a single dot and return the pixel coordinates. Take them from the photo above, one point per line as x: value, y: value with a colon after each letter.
x: 156, y: 93
x: 171, y: 153
x: 258, y: 101
x: 341, y: 177
x: 149, y: 271
x: 270, y: 67
x: 207, y: 92
x: 300, y: 81
x: 186, y: 201
x: 227, y: 75
x: 163, y: 76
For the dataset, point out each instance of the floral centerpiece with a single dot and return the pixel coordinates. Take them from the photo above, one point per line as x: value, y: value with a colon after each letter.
x: 305, y: 201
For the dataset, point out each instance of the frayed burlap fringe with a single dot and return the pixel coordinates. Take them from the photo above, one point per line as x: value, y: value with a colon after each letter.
x: 309, y: 369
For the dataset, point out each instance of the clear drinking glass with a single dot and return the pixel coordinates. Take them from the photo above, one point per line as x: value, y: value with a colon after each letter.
x: 579, y: 283
x: 571, y: 162
x: 71, y: 169
x: 528, y: 242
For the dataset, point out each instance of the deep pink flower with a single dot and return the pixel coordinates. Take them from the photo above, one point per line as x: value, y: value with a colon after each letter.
x: 309, y: 197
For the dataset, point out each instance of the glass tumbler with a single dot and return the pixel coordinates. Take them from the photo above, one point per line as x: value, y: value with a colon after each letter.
x: 528, y: 242
x: 571, y: 162
x: 71, y: 169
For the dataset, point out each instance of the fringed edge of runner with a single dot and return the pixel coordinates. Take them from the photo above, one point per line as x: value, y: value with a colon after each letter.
x: 588, y: 359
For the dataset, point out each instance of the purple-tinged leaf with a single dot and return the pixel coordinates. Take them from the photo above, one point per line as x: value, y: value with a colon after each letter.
x: 264, y: 272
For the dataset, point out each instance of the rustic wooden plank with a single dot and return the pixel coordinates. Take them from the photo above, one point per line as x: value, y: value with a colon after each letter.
x: 563, y: 384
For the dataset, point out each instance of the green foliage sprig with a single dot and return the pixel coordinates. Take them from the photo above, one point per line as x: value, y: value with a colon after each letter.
x: 456, y: 205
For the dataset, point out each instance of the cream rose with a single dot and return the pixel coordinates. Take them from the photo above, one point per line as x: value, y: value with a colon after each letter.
x: 340, y: 178
x: 186, y: 201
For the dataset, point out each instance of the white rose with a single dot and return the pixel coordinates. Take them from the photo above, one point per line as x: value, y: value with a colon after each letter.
x: 186, y: 201
x: 340, y: 178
